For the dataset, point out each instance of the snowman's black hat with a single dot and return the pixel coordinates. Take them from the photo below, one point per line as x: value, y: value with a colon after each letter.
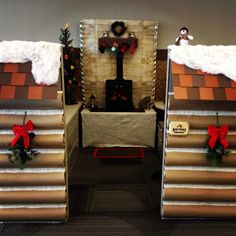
x: 184, y: 28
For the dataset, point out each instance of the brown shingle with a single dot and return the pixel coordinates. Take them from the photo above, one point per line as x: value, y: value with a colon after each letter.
x: 219, y: 94
x: 21, y: 92
x: 193, y: 93
x: 5, y: 78
x: 1, y: 67
x: 198, y: 80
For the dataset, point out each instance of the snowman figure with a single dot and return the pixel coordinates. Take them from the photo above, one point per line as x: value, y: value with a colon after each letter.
x: 184, y: 37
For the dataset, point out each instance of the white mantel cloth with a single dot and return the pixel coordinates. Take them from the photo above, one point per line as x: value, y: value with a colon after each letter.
x: 210, y: 59
x: 45, y: 57
x: 124, y: 129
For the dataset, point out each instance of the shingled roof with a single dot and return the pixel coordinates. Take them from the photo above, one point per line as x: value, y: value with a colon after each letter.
x: 197, y: 85
x: 17, y: 82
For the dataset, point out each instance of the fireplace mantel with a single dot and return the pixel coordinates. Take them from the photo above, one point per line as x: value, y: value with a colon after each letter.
x: 124, y: 129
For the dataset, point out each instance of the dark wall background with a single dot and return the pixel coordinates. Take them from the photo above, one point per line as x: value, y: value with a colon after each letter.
x: 209, y: 21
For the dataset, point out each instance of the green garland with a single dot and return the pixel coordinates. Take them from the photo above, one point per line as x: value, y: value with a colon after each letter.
x: 19, y: 155
x: 215, y: 155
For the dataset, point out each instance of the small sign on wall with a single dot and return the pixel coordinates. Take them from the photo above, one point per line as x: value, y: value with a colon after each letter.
x: 178, y: 128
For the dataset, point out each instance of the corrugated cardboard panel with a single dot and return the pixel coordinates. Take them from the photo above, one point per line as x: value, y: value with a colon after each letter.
x: 199, y: 194
x: 32, y: 196
x: 39, y: 121
x: 40, y: 141
x: 195, y: 140
x: 202, y: 105
x: 189, y: 158
x: 199, y: 177
x: 33, y: 214
x: 196, y: 211
x: 32, y: 179
x: 203, y: 121
x: 41, y: 160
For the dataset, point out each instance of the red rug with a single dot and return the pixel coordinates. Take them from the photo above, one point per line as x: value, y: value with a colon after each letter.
x: 121, y: 152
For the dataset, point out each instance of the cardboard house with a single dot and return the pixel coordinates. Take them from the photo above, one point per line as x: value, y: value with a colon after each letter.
x: 38, y: 191
x: 191, y: 186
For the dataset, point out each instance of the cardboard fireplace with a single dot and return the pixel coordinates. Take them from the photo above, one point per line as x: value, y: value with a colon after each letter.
x: 119, y: 68
x: 138, y: 66
x: 195, y: 184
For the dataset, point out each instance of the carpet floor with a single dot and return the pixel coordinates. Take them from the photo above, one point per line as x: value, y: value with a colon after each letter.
x: 118, y: 198
x: 114, y: 185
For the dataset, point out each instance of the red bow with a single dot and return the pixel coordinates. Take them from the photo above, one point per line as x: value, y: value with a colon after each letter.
x: 22, y: 131
x: 218, y: 133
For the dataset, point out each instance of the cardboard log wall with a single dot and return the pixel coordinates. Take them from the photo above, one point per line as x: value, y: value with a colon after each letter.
x: 38, y: 191
x: 191, y: 186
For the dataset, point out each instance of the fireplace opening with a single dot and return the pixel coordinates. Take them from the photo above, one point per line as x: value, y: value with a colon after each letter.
x: 119, y: 91
x: 119, y: 95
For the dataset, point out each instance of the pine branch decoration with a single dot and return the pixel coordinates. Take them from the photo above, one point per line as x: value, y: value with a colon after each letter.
x: 65, y: 36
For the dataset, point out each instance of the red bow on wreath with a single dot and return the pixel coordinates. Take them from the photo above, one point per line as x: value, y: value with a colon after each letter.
x: 22, y: 131
x: 218, y: 133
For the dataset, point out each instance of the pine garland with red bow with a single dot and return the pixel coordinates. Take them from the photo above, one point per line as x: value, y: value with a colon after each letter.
x: 217, y: 144
x: 21, y: 150
x: 119, y: 48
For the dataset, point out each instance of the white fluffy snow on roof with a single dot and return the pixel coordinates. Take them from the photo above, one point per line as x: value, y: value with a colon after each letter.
x: 210, y: 59
x: 45, y: 58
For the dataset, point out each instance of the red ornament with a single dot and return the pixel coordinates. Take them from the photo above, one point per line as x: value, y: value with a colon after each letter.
x: 115, y: 44
x: 22, y: 131
x: 113, y: 98
x: 123, y: 98
x: 66, y: 57
x: 218, y: 133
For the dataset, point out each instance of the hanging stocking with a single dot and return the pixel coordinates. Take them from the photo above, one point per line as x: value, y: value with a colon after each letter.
x: 102, y: 47
x: 132, y: 48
